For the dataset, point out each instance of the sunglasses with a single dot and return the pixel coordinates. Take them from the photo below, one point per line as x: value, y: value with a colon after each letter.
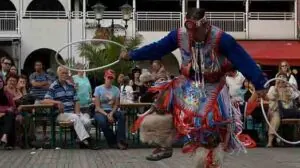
x: 7, y: 63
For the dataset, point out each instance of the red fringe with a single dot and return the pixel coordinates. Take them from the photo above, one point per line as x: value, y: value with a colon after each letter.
x: 137, y: 124
x: 247, y: 141
x: 209, y: 159
x: 251, y: 106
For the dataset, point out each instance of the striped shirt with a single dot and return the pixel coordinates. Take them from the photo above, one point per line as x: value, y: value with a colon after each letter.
x: 64, y: 93
x: 39, y: 92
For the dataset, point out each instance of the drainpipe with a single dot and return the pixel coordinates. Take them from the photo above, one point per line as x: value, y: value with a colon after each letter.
x: 134, y: 18
x: 296, y: 19
x: 183, y: 11
x: 69, y: 31
x: 20, y: 16
x: 247, y: 18
x: 83, y: 24
x: 198, y: 4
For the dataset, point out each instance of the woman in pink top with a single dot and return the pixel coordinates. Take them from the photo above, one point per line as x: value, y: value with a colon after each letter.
x: 7, y: 118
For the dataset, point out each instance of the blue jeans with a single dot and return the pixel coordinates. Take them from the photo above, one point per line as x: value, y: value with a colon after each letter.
x: 104, y: 125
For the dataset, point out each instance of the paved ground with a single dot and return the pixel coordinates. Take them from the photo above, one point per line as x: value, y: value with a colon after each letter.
x: 134, y: 158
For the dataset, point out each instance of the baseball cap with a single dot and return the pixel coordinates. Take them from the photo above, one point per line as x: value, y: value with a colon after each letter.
x: 110, y: 74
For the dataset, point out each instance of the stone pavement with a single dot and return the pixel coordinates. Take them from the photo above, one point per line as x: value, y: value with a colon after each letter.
x: 134, y: 158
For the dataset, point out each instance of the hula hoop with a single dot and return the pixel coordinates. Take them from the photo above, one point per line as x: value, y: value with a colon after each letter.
x: 265, y: 115
x: 90, y: 40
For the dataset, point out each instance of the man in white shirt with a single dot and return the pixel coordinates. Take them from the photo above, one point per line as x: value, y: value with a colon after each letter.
x: 234, y: 81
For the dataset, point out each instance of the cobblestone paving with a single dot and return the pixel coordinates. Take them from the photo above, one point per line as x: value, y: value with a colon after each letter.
x: 134, y: 158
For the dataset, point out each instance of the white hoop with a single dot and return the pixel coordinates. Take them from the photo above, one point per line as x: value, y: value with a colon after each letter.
x: 92, y: 69
x: 265, y: 115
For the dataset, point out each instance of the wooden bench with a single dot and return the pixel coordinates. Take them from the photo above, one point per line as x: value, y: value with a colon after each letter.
x: 290, y: 121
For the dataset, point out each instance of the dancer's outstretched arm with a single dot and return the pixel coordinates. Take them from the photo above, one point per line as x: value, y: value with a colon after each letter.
x: 156, y: 50
x: 241, y: 60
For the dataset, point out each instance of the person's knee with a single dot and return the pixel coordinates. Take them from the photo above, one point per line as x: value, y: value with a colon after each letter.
x: 120, y: 116
x: 87, y: 121
x: 101, y: 120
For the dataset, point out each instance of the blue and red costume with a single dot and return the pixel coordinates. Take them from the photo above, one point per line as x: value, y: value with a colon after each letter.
x: 200, y: 112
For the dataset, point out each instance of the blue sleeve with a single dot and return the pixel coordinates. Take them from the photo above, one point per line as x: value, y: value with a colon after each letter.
x: 156, y: 50
x: 97, y: 91
x: 50, y: 93
x: 241, y: 60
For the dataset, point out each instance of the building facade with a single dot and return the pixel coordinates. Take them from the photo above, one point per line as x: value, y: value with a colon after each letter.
x: 34, y: 29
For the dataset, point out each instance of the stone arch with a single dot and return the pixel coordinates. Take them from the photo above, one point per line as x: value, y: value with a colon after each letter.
x: 45, y: 5
x: 7, y: 5
x: 45, y: 55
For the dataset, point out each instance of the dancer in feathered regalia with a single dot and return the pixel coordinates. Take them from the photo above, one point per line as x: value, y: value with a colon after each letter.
x: 196, y: 104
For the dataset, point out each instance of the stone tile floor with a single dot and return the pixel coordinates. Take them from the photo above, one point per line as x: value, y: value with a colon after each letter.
x: 134, y: 158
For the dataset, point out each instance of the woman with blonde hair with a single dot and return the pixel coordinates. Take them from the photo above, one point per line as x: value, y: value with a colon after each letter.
x: 282, y: 93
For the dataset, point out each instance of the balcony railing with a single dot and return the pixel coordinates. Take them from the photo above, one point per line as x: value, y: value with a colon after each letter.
x: 227, y: 21
x: 8, y: 21
x: 158, y: 21
x: 45, y: 15
x: 150, y: 21
x: 271, y: 16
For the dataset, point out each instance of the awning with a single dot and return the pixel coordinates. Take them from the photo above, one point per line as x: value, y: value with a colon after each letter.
x: 273, y: 52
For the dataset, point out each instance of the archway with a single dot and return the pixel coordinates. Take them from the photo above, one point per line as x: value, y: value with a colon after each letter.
x: 45, y: 55
x: 7, y: 5
x: 45, y: 5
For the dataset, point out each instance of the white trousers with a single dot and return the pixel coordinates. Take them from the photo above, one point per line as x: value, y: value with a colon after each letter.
x: 82, y: 123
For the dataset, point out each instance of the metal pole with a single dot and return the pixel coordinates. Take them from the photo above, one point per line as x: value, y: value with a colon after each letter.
x: 134, y: 18
x: 183, y: 10
x: 247, y: 18
x: 69, y: 32
x: 83, y: 25
x: 296, y: 19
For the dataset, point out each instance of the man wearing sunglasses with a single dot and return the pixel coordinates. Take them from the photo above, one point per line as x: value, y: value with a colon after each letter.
x: 198, y: 99
x: 5, y: 66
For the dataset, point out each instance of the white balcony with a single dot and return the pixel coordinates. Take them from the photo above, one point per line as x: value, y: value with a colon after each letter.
x: 258, y: 25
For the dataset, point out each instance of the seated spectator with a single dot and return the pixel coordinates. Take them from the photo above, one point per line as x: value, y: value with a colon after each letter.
x: 40, y: 82
x: 83, y: 89
x: 280, y: 92
x: 235, y: 81
x: 157, y: 68
x: 13, y: 70
x: 135, y: 82
x: 120, y: 80
x: 147, y: 81
x: 11, y: 86
x: 285, y: 68
x: 63, y: 95
x: 22, y: 85
x: 126, y: 91
x: 7, y: 118
x: 6, y: 63
x: 107, y: 100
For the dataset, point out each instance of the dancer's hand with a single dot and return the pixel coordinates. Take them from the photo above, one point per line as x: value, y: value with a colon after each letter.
x: 124, y: 55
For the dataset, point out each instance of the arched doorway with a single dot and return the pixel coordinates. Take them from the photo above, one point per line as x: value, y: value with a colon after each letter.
x: 45, y: 55
x: 45, y: 5
x: 7, y: 5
